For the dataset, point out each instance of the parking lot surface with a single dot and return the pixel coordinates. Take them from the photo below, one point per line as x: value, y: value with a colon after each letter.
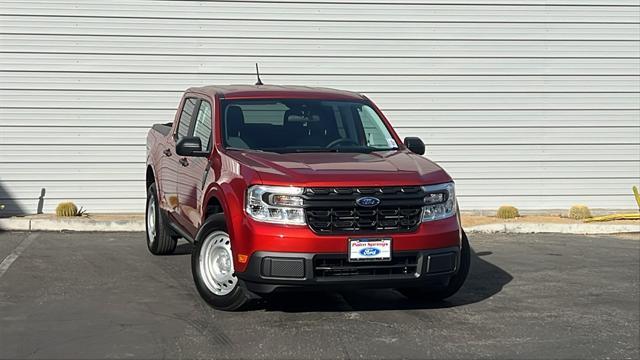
x: 96, y: 295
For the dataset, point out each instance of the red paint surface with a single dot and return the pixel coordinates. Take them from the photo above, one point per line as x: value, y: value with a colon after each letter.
x: 232, y: 172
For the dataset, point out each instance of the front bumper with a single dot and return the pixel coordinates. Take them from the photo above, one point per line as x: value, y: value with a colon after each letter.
x: 263, y: 237
x: 271, y: 271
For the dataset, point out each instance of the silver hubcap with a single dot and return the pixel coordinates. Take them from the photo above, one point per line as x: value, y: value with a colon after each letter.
x: 216, y: 263
x: 151, y: 221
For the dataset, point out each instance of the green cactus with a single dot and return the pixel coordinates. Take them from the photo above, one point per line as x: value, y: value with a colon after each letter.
x: 67, y: 209
x: 579, y: 212
x: 507, y: 212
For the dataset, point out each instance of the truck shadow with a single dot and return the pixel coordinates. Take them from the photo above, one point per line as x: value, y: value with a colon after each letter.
x: 8, y: 206
x: 485, y: 280
x: 183, y: 248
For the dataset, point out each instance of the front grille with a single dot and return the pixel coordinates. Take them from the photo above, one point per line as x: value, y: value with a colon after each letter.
x: 334, y: 210
x: 400, y: 266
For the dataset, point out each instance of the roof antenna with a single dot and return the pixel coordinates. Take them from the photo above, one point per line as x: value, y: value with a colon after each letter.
x: 259, y: 82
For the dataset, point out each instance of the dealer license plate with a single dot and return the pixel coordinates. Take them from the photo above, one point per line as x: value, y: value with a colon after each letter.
x: 369, y: 249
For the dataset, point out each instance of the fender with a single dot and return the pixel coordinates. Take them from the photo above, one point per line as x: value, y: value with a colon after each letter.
x: 214, y: 190
x: 152, y: 160
x: 155, y: 179
x: 233, y: 209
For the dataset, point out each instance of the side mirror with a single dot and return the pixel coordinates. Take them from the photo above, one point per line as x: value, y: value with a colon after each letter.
x: 414, y: 144
x: 190, y: 146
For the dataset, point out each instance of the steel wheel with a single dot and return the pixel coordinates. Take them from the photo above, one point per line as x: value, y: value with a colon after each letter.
x: 159, y: 237
x: 216, y: 264
x: 151, y: 221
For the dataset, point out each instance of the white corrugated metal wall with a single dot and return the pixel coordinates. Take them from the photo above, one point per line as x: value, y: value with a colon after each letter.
x: 534, y: 103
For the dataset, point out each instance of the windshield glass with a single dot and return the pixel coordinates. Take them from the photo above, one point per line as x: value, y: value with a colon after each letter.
x: 304, y: 126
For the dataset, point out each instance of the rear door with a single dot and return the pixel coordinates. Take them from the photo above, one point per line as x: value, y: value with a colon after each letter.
x: 194, y: 170
x: 169, y: 164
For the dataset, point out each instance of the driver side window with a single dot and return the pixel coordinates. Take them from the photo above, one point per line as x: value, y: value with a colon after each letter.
x: 376, y: 134
x: 202, y: 127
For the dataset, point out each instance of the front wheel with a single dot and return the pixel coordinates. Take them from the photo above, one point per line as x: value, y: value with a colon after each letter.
x: 212, y: 267
x: 455, y: 283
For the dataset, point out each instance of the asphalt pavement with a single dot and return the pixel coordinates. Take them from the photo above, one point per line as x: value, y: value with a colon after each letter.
x: 97, y: 295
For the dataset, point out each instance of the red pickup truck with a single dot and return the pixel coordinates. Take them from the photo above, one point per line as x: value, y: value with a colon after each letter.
x: 285, y: 187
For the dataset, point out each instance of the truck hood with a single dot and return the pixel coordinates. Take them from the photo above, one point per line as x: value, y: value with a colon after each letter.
x: 342, y: 169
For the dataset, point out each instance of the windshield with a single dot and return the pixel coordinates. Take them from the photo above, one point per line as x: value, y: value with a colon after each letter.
x: 304, y: 126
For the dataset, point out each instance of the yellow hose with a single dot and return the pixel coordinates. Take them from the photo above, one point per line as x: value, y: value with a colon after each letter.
x: 615, y: 217
x: 612, y: 217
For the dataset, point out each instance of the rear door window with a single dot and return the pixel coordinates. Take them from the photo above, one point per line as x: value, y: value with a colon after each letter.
x: 185, y: 118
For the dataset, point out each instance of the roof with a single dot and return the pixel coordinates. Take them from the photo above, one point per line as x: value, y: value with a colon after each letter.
x: 276, y: 91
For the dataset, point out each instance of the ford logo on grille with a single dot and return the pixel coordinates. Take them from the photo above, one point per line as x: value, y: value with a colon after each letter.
x: 369, y: 251
x: 368, y: 201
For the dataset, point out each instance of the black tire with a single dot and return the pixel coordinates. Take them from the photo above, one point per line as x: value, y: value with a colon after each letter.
x: 238, y: 296
x: 162, y: 241
x: 438, y: 293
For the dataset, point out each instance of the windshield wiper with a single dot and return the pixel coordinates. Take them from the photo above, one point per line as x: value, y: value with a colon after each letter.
x: 315, y: 150
x: 299, y: 150
x: 363, y: 150
x: 383, y: 149
x: 241, y: 149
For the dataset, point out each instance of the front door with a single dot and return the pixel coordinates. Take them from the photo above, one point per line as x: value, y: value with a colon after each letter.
x: 193, y: 171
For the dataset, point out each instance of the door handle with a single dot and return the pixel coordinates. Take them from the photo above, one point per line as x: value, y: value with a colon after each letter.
x: 167, y: 152
x: 184, y: 162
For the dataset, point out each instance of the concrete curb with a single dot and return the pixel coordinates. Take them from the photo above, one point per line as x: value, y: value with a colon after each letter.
x: 538, y: 228
x: 23, y: 224
x: 27, y: 224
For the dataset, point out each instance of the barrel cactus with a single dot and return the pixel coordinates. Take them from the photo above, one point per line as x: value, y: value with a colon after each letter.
x: 507, y: 212
x: 579, y: 212
x: 67, y: 209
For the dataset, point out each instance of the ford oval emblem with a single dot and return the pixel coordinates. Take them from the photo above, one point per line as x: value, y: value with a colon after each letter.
x: 369, y: 251
x: 368, y: 201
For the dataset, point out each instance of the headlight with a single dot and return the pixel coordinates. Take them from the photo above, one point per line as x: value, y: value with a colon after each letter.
x: 275, y: 204
x: 440, y: 201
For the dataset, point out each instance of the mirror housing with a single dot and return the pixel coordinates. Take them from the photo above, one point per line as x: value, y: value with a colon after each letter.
x: 190, y: 146
x: 415, y: 145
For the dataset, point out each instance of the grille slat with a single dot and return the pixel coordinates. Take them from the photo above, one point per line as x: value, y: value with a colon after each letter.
x: 400, y: 265
x: 334, y: 210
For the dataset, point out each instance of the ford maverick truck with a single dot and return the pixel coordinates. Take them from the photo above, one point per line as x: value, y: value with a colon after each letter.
x: 284, y: 188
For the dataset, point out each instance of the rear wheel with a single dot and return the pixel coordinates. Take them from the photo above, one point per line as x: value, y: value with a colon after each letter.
x: 212, y: 267
x: 159, y: 238
x: 437, y: 293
